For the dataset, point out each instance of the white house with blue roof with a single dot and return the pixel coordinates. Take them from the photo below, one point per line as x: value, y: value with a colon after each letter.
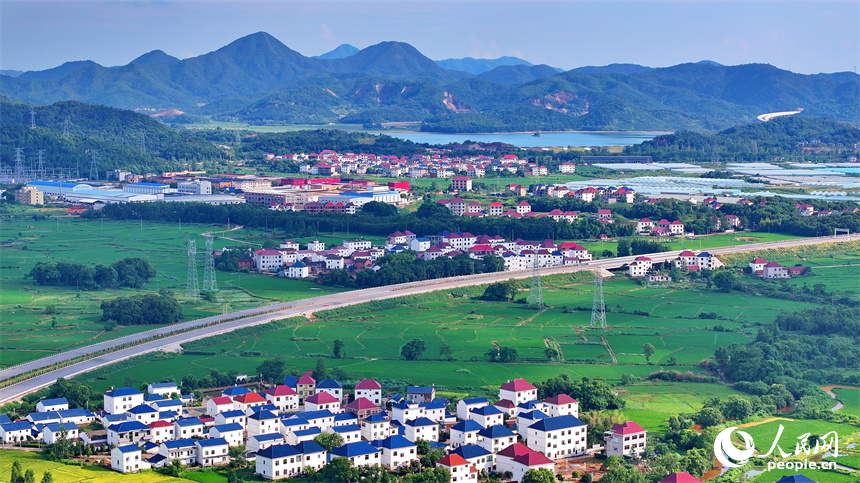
x: 421, y: 428
x: 279, y: 461
x: 350, y: 433
x: 127, y: 432
x: 119, y: 401
x: 77, y: 415
x: 361, y: 453
x: 232, y: 416
x: 15, y: 432
x: 128, y: 459
x: 163, y: 388
x: 526, y: 419
x: 420, y: 394
x: 435, y: 410
x: 487, y: 416
x: 376, y: 427
x: 323, y: 419
x: 184, y: 450
x: 235, y: 391
x: 56, y: 404
x: 167, y: 405
x: 44, y: 418
x: 396, y: 451
x: 212, y: 452
x: 330, y: 386
x: 296, y: 437
x: 143, y: 413
x: 558, y: 437
x: 263, y: 422
x: 345, y: 419
x: 466, y: 405
x: 289, y: 425
x: 406, y: 410
x: 233, y: 433
x: 496, y: 438
x: 262, y: 441
x: 477, y: 457
x: 53, y: 432
x: 188, y: 428
x: 465, y: 432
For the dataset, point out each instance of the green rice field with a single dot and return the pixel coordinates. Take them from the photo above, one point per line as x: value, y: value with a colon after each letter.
x: 850, y: 398
x: 64, y: 473
x: 31, y: 330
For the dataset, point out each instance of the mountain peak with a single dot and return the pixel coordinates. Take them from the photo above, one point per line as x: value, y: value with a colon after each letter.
x: 154, y: 57
x: 341, y: 52
x: 475, y: 66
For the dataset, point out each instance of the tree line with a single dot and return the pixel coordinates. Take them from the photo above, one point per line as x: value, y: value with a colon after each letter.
x: 125, y: 273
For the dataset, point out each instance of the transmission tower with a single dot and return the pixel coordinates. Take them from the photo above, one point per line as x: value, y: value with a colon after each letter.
x: 192, y: 286
x: 210, y: 282
x: 19, y: 164
x: 536, y: 292
x: 32, y: 118
x: 94, y: 166
x: 41, y: 166
x: 598, y: 310
x: 142, y: 141
x: 66, y: 124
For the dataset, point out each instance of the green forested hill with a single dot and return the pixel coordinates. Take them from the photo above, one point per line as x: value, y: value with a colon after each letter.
x: 115, y: 133
x: 260, y: 80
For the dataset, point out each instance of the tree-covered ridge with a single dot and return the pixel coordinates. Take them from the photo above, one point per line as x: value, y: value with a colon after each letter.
x: 116, y: 134
x: 262, y: 80
x: 758, y: 141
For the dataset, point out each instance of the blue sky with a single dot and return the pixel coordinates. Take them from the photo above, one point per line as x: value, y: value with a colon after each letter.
x: 806, y: 37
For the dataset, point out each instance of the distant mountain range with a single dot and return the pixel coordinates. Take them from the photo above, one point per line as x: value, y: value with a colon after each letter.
x: 260, y: 80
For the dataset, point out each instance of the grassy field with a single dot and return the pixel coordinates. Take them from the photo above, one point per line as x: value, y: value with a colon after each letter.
x: 764, y: 434
x: 469, y: 326
x: 850, y: 398
x: 63, y: 473
x: 698, y: 243
x: 27, y: 323
x: 820, y: 476
x: 849, y: 460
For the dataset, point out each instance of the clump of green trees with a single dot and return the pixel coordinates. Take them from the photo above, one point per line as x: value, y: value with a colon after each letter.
x: 125, y: 273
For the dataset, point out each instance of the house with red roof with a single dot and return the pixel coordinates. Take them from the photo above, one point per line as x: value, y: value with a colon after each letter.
x: 519, y: 458
x: 218, y: 405
x: 363, y: 408
x: 460, y: 469
x: 161, y: 431
x: 321, y: 401
x: 625, y: 439
x: 244, y: 402
x: 305, y: 386
x: 774, y: 270
x: 645, y: 225
x: 682, y: 477
x: 518, y: 391
x: 283, y: 397
x: 561, y: 405
x: 516, y: 189
x: 523, y: 207
x: 461, y: 183
x: 496, y: 208
x: 757, y: 265
x: 370, y: 389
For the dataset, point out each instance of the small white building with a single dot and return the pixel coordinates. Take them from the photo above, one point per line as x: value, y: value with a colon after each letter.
x: 47, y: 405
x: 212, y: 452
x: 127, y: 459
x: 397, y: 451
x: 518, y: 391
x: 233, y: 434
x: 52, y: 432
x: 421, y: 428
x: 119, y: 401
x: 163, y: 388
x: 561, y: 405
x: 460, y: 469
x: 370, y: 389
x: 558, y: 437
x: 627, y: 439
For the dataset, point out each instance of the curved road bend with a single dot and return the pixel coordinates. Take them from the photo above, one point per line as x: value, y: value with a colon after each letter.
x: 201, y: 328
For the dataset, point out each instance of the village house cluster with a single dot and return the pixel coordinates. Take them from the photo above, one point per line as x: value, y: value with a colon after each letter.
x: 278, y: 426
x: 687, y: 260
x: 291, y: 261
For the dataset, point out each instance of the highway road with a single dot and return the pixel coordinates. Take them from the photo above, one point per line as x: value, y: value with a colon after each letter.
x: 108, y: 352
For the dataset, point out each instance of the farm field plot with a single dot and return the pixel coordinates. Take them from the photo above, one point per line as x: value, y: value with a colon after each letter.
x: 765, y: 433
x: 850, y: 460
x: 41, y: 320
x: 63, y: 473
x: 821, y: 476
x: 697, y: 243
x: 671, y: 398
x: 850, y: 398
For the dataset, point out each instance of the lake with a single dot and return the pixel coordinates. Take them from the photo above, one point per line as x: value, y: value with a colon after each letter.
x: 526, y: 140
